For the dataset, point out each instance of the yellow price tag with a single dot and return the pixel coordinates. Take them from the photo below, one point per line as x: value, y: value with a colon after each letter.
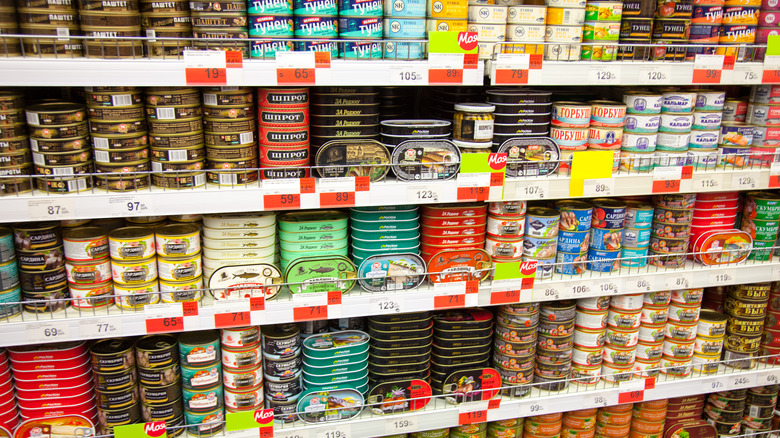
x: 589, y: 165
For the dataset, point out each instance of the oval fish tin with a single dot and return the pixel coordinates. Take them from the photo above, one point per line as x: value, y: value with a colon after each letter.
x: 328, y: 345
x: 324, y: 406
x: 459, y: 265
x: 399, y: 396
x: 245, y: 281
x: 391, y: 272
x: 321, y: 274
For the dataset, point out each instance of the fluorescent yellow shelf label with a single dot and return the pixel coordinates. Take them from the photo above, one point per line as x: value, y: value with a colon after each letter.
x: 589, y: 165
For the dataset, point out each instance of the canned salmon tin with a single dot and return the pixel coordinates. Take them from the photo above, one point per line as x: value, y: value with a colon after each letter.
x: 678, y: 101
x: 570, y: 138
x: 606, y: 113
x: 642, y: 123
x: 643, y: 103
x: 571, y: 114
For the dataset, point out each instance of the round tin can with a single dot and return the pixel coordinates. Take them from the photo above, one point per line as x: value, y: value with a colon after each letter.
x: 506, y: 226
x: 606, y: 113
x: 201, y: 377
x: 623, y: 319
x: 199, y: 348
x: 242, y: 379
x: 649, y: 350
x: 591, y: 319
x: 240, y: 337
x: 608, y: 213
x: 571, y: 115
x: 652, y: 333
x: 131, y: 243
x: 642, y: 123
x: 573, y: 241
x: 586, y: 356
x: 134, y: 272
x: 85, y: 244
x: 593, y: 303
x: 622, y: 337
x: 542, y: 222
x: 642, y: 103
x: 136, y: 296
x: 677, y: 101
x: 606, y: 239
x: 671, y: 122
x: 155, y: 351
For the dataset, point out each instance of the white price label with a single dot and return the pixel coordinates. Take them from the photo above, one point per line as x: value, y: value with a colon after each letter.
x: 453, y: 288
x: 679, y: 280
x: 310, y: 299
x: 47, y: 331
x: 598, y: 187
x: 655, y: 75
x: 384, y: 306
x: 155, y: 311
x: 642, y: 284
x: 667, y: 173
x: 607, y: 287
x: 295, y: 60
x: 723, y: 277
x: 204, y: 59
x: 595, y: 401
x: 746, y: 73
x: 576, y: 290
x: 604, y: 74
x: 396, y: 426
x: 774, y: 168
x: 345, y: 184
x: 706, y: 182
x: 281, y: 186
x: 446, y: 61
x: 103, y: 328
x: 474, y: 179
x: 740, y: 381
x: 303, y: 433
x: 771, y: 69
x: 743, y: 182
x: 546, y: 292
x: 340, y: 431
x: 767, y: 378
x: 708, y: 62
x: 532, y: 189
x: 713, y: 386
x: 424, y: 193
x: 534, y: 408
x: 51, y: 209
x: 123, y: 206
x: 408, y: 75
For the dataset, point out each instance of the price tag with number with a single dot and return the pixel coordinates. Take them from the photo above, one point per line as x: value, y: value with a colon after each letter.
x: 295, y: 68
x: 669, y: 179
x: 642, y: 284
x: 767, y: 378
x: 636, y: 390
x: 771, y: 72
x: 386, y: 305
x: 130, y: 206
x: 744, y: 182
x: 205, y: 67
x: 279, y: 194
x: 472, y: 412
x: 740, y: 381
x: 310, y: 306
x: 419, y: 194
x: 51, y: 209
x: 396, y: 426
x: 598, y: 187
x: 52, y: 331
x: 536, y: 407
x: 510, y: 69
x: 445, y: 68
x: 597, y: 400
x: 707, y: 69
x: 337, y: 192
x: 723, y: 277
x: 538, y: 189
x: 413, y: 74
x: 473, y: 186
x: 576, y: 290
x: 100, y: 328
x: 339, y: 431
x: 746, y: 73
x: 449, y: 295
x: 611, y: 286
x: 164, y: 318
x: 679, y: 280
x: 231, y: 313
x: 707, y: 181
x: 660, y: 74
x: 549, y: 292
x: 607, y: 74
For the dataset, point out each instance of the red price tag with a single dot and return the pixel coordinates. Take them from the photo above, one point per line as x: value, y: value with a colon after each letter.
x: 295, y: 76
x: 666, y: 186
x: 307, y: 185
x: 234, y: 319
x: 334, y: 297
x: 234, y: 59
x: 729, y: 61
x: 266, y: 432
x: 362, y: 183
x: 206, y: 76
x: 494, y: 403
x: 189, y: 308
x: 445, y: 76
x: 473, y: 193
x: 472, y: 417
x: 449, y: 301
x: 535, y: 62
x: 310, y: 313
x: 471, y: 61
x: 771, y: 77
x: 631, y: 396
x: 165, y: 325
x: 707, y: 76
x: 511, y: 77
x: 504, y: 297
x: 337, y: 199
x: 322, y: 59
x: 279, y: 202
x: 774, y: 181
x: 472, y: 286
x: 256, y: 303
x: 687, y: 172
x: 496, y: 179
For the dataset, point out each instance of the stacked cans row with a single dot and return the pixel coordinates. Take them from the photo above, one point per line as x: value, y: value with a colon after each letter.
x: 229, y: 239
x: 385, y: 230
x: 14, y: 144
x: 344, y: 113
x: 745, y: 320
x: 636, y: 234
x: 764, y: 115
x: 490, y: 24
x: 462, y: 341
x: 9, y: 411
x: 505, y: 232
x: 400, y: 348
x: 306, y: 234
x: 519, y: 113
x: 681, y: 331
x: 41, y: 267
x: 10, y: 292
x: 743, y: 411
x: 284, y: 147
x: 514, y: 346
x: 574, y: 236
x: 767, y: 25
x: 760, y: 218
x: 236, y: 362
x: 636, y: 27
x: 60, y: 20
x: 555, y: 344
x: 243, y: 384
x: 546, y: 425
x: 565, y: 28
x: 119, y: 137
x: 282, y: 368
x: 229, y: 131
x: 319, y: 352
x: 167, y: 20
x: 620, y: 353
x: 88, y: 267
x: 770, y: 344
x: 174, y: 117
x: 199, y: 355
x: 463, y: 222
x: 602, y: 25
x: 541, y: 230
x: 674, y: 211
x: 9, y: 24
x: 220, y: 21
x: 525, y: 29
x: 710, y: 337
x: 125, y: 22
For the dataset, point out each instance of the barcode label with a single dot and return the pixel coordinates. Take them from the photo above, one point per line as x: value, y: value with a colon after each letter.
x: 156, y: 166
x: 246, y: 137
x: 100, y: 143
x: 228, y: 88
x: 150, y: 33
x: 176, y: 155
x: 200, y: 179
x: 77, y: 185
x: 34, y: 144
x: 228, y: 179
x: 33, y: 119
x: 38, y: 159
x: 63, y: 170
x: 122, y: 100
x: 101, y: 156
x: 166, y: 113
x: 63, y: 32
x: 209, y: 99
x: 566, y: 15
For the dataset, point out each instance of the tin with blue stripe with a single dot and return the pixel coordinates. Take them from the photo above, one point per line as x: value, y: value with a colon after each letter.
x: 318, y: 46
x: 405, y: 8
x: 7, y: 251
x: 403, y: 50
x: 361, y: 50
x: 270, y: 7
x: 318, y: 7
x: 704, y: 139
x: 636, y: 237
x: 360, y: 8
x: 360, y: 27
x: 705, y: 120
x: 404, y: 28
x: 570, y: 263
x: 10, y: 296
x: 634, y: 257
x: 638, y: 215
x: 573, y: 241
x: 607, y: 239
x: 602, y: 261
x: 9, y: 275
x: 269, y: 49
x: 267, y: 26
x: 316, y: 27
x: 642, y: 123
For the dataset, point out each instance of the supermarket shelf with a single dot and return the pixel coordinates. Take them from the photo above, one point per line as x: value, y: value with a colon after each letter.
x: 438, y: 414
x: 72, y: 324
x: 157, y: 72
x: 223, y: 199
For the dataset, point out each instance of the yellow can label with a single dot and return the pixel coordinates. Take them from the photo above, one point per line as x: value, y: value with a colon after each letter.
x: 448, y: 9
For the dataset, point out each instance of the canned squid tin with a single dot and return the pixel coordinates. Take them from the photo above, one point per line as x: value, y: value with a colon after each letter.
x: 643, y: 103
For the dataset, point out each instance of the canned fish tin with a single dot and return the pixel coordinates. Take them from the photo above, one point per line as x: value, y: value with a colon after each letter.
x: 570, y: 138
x: 136, y: 296
x: 622, y: 337
x: 606, y: 113
x: 131, y: 243
x: 711, y: 323
x: 134, y: 272
x: 177, y: 240
x: 570, y: 263
x: 542, y: 222
x: 199, y: 348
x: 643, y: 103
x: 446, y: 9
x: 602, y: 261
x: 573, y: 241
x: 677, y: 101
x: 575, y: 215
x: 676, y: 123
x: 571, y: 114
x: 638, y: 145
x: 508, y: 208
x: 531, y: 14
x: 506, y: 226
x: 704, y: 139
x: 593, y: 304
x: 504, y: 247
x: 687, y: 296
x: 710, y: 100
x: 608, y: 213
x: 649, y: 350
x: 642, y: 123
x: 591, y: 319
x: 405, y: 8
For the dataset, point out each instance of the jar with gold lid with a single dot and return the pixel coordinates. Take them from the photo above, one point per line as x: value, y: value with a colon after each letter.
x: 473, y: 122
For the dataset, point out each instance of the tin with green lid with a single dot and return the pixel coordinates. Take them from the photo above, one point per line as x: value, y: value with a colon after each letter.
x: 384, y: 215
x: 313, y: 247
x: 376, y: 235
x: 327, y: 379
x: 334, y: 405
x: 336, y: 344
x: 360, y: 385
x: 312, y: 221
x: 350, y: 367
x: 320, y: 274
x: 397, y: 225
x: 382, y: 245
x: 334, y: 361
x: 318, y: 236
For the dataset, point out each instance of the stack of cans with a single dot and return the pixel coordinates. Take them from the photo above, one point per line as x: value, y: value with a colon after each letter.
x: 360, y: 22
x: 179, y: 263
x: 502, y: 244
x: 763, y: 114
x: 10, y: 416
x: 514, y: 346
x: 759, y: 403
x: 314, y: 233
x: 176, y: 134
x: 590, y: 333
x: 228, y: 237
x: 526, y: 26
x: 60, y: 127
x: 201, y: 351
x: 269, y: 19
x: 681, y: 332
x: 60, y: 20
x: 555, y: 344
x: 636, y: 26
x: 770, y: 345
x: 114, y: 374
x: 564, y: 36
x: 125, y: 22
x: 14, y: 143
x: 607, y: 119
x: 745, y: 307
x: 133, y: 267
x: 166, y: 20
x: 41, y: 265
x: 400, y: 347
x: 622, y: 336
x: 282, y: 344
x: 10, y: 25
x: 119, y: 137
x: 330, y: 361
x: 705, y: 130
x: 489, y: 22
x: 710, y: 336
x: 466, y: 220
x: 87, y: 266
x: 637, y: 233
x: 243, y: 386
x: 674, y: 133
x: 223, y: 20
x: 284, y: 132
x: 404, y: 20
x: 725, y: 410
x: 705, y: 27
x: 317, y: 19
x: 229, y: 129
x: 160, y: 378
x: 740, y: 21
x: 671, y: 25
x: 602, y: 25
x: 652, y: 329
x: 569, y: 129
x: 335, y: 111
x: 640, y: 133
x: 573, y: 236
x: 463, y: 341
x: 384, y: 230
x: 606, y: 235
x: 9, y: 280
x: 676, y: 212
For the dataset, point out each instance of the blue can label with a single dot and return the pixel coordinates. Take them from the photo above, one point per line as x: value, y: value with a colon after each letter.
x: 318, y: 46
x: 634, y: 257
x: 10, y: 296
x: 570, y: 263
x: 9, y: 275
x: 270, y: 7
x: 639, y: 218
x: 360, y: 8
x: 636, y: 237
x: 602, y: 261
x: 704, y: 139
x: 395, y: 50
x: 360, y: 27
x: 643, y: 103
x: 319, y: 7
x: 404, y: 28
x: 326, y: 27
x: 642, y: 124
x: 574, y: 218
x: 268, y: 49
x: 573, y: 241
x: 609, y: 217
x: 678, y: 103
x: 405, y: 8
x: 270, y: 26
x: 361, y: 50
x: 606, y: 238
x: 707, y: 120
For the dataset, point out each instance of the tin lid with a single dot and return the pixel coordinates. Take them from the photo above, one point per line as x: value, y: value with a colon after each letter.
x: 85, y: 233
x: 475, y: 107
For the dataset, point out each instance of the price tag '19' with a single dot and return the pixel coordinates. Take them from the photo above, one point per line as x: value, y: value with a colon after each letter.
x: 205, y: 67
